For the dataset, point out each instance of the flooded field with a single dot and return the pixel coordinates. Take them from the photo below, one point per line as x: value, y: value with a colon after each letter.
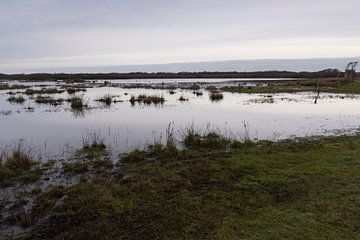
x: 47, y: 120
x: 62, y: 133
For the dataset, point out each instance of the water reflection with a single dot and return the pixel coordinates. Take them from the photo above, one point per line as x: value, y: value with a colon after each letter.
x: 128, y: 122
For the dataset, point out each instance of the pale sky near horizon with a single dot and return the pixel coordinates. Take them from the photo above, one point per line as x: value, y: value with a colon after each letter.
x: 66, y: 33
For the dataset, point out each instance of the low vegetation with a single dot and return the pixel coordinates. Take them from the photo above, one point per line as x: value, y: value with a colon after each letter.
x: 75, y: 168
x: 17, y: 166
x: 331, y: 85
x: 5, y: 86
x: 216, y: 96
x: 292, y: 189
x: 145, y: 99
x: 108, y: 100
x: 197, y: 93
x: 44, y: 91
x: 210, y: 140
x: 93, y: 147
x: 49, y: 100
x: 183, y: 99
x: 75, y: 90
x: 16, y: 99
x: 78, y: 103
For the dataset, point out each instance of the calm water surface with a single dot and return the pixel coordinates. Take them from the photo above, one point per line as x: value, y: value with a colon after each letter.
x: 52, y: 129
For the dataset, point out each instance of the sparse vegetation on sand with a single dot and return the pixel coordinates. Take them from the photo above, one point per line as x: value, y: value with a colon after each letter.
x: 292, y: 189
x: 16, y: 99
x: 216, y: 96
x: 152, y: 99
x: 44, y: 91
x: 49, y: 100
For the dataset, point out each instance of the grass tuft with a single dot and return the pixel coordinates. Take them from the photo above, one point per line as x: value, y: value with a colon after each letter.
x: 216, y: 96
x: 15, y: 99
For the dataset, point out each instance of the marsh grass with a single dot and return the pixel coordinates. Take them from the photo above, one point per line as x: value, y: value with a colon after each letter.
x: 197, y: 93
x: 75, y: 90
x: 193, y: 87
x: 331, y: 85
x: 147, y: 100
x: 75, y: 168
x: 156, y: 149
x: 183, y: 99
x: 43, y: 204
x: 16, y: 164
x: 208, y: 139
x: 291, y: 189
x: 44, y: 91
x: 93, y: 146
x: 16, y: 99
x: 78, y: 103
x: 108, y: 99
x: 216, y: 96
x: 49, y: 100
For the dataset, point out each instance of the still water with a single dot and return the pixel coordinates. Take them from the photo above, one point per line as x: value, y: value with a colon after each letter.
x: 51, y: 129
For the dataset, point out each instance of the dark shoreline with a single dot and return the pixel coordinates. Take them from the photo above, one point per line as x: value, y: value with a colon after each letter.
x: 329, y: 73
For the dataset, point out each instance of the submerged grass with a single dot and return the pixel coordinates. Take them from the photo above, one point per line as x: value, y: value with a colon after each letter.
x: 295, y: 189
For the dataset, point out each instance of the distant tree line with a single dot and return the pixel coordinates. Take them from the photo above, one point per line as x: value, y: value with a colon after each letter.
x: 328, y: 73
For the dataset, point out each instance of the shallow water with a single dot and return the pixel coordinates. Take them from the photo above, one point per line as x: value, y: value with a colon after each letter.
x: 52, y: 130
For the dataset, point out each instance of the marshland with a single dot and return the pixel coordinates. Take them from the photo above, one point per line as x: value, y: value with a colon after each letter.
x: 179, y: 158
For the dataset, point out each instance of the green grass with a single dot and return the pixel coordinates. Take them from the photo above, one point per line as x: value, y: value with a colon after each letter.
x: 306, y: 189
x: 353, y: 87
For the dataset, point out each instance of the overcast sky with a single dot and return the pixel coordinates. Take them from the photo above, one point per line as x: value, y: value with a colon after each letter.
x: 38, y: 34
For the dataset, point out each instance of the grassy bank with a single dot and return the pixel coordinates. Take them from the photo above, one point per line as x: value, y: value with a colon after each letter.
x: 215, y: 189
x: 331, y: 85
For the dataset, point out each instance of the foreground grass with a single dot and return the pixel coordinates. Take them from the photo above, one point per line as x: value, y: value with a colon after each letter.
x: 18, y: 167
x: 306, y: 189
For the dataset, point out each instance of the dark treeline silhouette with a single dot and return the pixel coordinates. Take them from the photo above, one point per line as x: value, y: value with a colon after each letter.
x: 328, y: 73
